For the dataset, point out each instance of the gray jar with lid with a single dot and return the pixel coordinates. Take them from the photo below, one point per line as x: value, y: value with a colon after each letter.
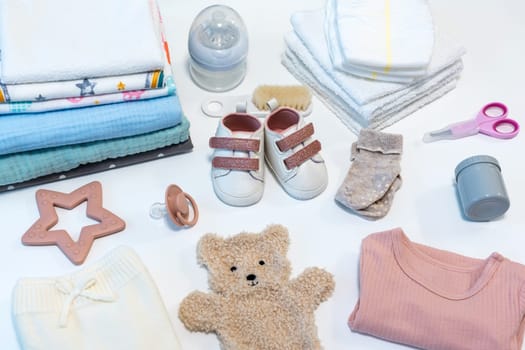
x: 481, y: 189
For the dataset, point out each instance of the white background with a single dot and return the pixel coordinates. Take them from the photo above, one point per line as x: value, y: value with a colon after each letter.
x: 322, y: 234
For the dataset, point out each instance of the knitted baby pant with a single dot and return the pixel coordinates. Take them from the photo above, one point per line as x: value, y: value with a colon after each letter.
x: 112, y: 305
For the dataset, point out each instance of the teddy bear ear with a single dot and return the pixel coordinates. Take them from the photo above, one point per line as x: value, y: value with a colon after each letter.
x: 278, y: 237
x: 209, y: 248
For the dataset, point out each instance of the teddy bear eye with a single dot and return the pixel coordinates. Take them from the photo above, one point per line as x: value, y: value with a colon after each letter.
x: 233, y: 268
x: 261, y: 262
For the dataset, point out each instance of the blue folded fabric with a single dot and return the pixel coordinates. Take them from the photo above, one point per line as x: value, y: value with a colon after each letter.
x: 24, y: 166
x: 30, y: 131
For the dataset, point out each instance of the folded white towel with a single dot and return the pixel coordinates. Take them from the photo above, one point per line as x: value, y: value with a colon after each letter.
x: 65, y: 40
x: 386, y: 110
x: 382, y: 35
x: 309, y: 29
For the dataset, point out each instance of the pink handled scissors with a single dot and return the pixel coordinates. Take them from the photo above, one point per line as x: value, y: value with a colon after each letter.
x: 491, y: 120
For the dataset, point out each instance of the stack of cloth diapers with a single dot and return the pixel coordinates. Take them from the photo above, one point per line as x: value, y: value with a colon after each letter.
x: 82, y: 82
x: 372, y: 62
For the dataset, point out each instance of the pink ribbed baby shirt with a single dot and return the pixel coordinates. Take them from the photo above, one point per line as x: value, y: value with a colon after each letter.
x: 438, y: 300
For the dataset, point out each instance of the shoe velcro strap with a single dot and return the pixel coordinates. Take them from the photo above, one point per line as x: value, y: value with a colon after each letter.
x: 235, y: 144
x: 295, y: 138
x: 302, y: 155
x: 236, y: 163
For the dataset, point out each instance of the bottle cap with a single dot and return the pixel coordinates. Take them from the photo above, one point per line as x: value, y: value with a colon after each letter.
x: 474, y: 160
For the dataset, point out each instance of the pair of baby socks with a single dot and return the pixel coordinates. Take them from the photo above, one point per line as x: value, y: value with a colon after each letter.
x: 374, y: 176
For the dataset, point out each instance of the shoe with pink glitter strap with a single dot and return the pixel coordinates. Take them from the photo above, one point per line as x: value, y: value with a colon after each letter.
x: 293, y: 155
x: 237, y: 164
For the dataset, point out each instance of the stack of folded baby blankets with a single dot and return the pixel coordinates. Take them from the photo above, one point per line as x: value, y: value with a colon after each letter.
x: 82, y: 82
x: 372, y: 62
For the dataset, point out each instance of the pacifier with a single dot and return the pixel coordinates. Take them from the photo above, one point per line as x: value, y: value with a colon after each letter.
x: 178, y: 206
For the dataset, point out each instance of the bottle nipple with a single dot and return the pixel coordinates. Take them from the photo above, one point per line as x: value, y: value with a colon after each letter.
x: 219, y: 34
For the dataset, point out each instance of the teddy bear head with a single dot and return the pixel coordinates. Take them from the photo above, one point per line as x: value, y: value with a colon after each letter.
x: 246, y: 262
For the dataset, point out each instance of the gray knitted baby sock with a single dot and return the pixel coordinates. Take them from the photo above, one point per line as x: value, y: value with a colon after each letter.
x: 373, y: 177
x: 381, y: 207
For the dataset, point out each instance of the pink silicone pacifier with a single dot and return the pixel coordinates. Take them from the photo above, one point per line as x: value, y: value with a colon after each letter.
x: 178, y: 206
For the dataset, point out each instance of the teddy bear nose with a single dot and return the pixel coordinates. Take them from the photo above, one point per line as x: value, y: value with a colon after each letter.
x: 251, y: 277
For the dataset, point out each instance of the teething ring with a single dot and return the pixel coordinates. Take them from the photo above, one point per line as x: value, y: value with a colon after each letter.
x: 177, y: 205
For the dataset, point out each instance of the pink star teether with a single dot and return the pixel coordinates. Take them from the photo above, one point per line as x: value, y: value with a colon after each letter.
x: 40, y: 234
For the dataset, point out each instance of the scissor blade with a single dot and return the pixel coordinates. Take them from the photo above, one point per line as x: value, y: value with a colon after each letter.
x: 441, y: 134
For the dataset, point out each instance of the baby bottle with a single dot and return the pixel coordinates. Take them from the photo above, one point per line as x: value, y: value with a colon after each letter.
x: 218, y: 46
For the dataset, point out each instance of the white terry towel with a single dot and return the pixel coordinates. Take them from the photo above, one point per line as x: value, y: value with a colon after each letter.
x: 361, y: 102
x: 384, y: 35
x: 386, y: 111
x: 72, y: 39
x: 308, y: 27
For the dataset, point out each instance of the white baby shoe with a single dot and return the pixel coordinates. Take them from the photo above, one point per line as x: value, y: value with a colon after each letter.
x: 293, y: 155
x: 237, y: 164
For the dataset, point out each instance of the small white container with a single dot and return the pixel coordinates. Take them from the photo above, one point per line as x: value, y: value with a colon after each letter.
x: 218, y: 46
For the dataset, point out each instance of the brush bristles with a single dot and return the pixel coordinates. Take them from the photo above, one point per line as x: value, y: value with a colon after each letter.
x: 293, y: 96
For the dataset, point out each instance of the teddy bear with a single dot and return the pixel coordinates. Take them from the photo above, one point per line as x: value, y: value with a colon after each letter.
x: 253, y: 303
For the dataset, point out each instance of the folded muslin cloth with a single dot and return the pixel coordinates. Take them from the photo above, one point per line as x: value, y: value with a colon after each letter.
x: 25, y: 132
x: 76, y: 39
x: 37, y: 92
x: 24, y: 166
x: 361, y: 102
x: 90, y: 100
x: 86, y: 101
x: 380, y: 39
